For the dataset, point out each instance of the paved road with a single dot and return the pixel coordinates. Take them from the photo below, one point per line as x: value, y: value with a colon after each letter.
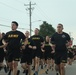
x: 70, y: 70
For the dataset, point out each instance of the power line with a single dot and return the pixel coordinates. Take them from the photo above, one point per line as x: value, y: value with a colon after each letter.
x: 19, y: 1
x: 10, y: 26
x: 26, y: 9
x: 38, y: 9
x: 23, y: 4
x: 43, y: 11
x: 8, y: 20
x: 11, y: 20
x: 12, y: 7
x: 43, y: 14
x: 30, y: 13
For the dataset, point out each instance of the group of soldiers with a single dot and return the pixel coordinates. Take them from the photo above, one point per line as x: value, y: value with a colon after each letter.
x: 53, y: 52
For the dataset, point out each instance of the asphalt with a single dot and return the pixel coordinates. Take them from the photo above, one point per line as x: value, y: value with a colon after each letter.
x: 70, y: 70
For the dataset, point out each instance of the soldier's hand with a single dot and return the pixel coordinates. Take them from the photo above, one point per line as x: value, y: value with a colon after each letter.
x: 23, y: 47
x: 53, y: 51
x: 30, y: 46
x: 34, y: 47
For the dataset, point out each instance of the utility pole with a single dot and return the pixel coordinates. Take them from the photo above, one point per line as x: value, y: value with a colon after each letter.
x: 30, y: 14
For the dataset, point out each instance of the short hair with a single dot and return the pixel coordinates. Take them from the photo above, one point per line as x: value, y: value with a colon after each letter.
x: 3, y: 34
x: 60, y: 24
x: 15, y: 23
x: 27, y: 32
x: 37, y: 29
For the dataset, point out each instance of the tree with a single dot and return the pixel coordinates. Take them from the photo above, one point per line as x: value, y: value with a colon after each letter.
x: 46, y: 29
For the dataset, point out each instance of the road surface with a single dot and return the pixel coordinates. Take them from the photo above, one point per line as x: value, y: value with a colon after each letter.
x: 70, y: 70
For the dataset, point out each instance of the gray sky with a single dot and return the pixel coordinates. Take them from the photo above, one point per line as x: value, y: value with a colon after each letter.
x: 52, y: 11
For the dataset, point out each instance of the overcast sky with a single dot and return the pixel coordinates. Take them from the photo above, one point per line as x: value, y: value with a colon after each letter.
x: 52, y: 11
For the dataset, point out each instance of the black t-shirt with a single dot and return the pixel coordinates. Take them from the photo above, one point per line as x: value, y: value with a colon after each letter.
x: 47, y: 47
x: 27, y: 50
x: 60, y: 41
x: 13, y: 38
x: 1, y: 49
x: 38, y: 41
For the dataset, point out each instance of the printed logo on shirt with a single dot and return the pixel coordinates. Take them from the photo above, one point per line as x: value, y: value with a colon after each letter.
x: 47, y: 45
x: 36, y: 38
x: 24, y: 43
x: 13, y: 36
x: 63, y: 36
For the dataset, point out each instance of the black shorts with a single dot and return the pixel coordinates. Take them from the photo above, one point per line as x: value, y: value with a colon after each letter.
x: 27, y: 58
x: 53, y: 56
x: 13, y: 55
x: 36, y: 53
x: 42, y: 55
x: 2, y: 55
x: 60, y: 57
x: 47, y: 56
